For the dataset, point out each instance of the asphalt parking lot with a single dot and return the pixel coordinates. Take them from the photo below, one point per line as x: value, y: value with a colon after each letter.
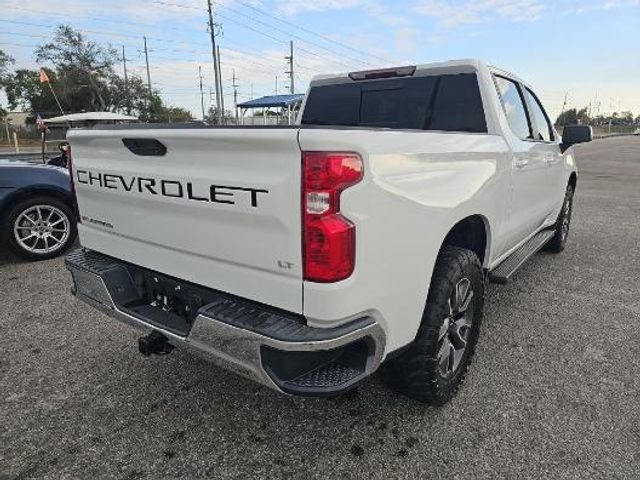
x: 554, y: 391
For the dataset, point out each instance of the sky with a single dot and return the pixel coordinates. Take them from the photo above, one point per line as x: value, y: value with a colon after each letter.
x: 587, y: 51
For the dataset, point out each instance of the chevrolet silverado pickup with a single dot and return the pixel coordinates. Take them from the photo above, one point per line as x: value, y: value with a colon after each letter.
x: 307, y: 257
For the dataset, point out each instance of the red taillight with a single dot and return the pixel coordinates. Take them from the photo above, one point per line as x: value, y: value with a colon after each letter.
x: 72, y: 185
x: 328, y: 239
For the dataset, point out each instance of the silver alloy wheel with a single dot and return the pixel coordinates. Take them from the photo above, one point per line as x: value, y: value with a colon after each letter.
x: 452, y: 339
x: 42, y: 229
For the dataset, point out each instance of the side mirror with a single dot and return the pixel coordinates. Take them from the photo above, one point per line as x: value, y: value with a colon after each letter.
x: 573, y: 134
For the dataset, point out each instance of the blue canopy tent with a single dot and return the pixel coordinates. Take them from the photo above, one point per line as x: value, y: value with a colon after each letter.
x: 288, y: 103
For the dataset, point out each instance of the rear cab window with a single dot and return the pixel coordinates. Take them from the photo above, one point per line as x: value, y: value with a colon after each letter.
x: 436, y: 102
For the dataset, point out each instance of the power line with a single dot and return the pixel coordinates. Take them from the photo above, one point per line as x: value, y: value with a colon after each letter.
x: 164, y: 28
x: 100, y: 19
x: 178, y: 51
x: 17, y: 44
x: 268, y: 35
x: 311, y: 69
x: 188, y: 7
x: 255, y: 66
x: 170, y: 4
x: 317, y: 45
x: 280, y: 40
x: 319, y: 35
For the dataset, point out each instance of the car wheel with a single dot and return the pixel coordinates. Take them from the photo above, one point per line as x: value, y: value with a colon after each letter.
x: 40, y: 228
x: 561, y: 229
x: 432, y: 369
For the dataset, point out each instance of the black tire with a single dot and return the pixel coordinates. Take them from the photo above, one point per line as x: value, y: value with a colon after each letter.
x: 58, y: 244
x: 561, y: 228
x: 418, y: 372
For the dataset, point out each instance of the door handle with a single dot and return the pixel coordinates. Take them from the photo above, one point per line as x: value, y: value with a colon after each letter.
x: 521, y: 163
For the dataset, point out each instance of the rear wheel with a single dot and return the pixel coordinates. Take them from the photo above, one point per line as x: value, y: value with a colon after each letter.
x: 561, y: 229
x: 434, y: 366
x: 40, y: 228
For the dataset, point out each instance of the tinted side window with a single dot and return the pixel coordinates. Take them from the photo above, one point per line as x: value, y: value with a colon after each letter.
x: 458, y: 105
x: 333, y: 105
x: 444, y: 102
x: 513, y: 107
x: 541, y: 126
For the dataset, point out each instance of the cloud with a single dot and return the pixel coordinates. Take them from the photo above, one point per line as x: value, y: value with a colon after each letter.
x: 406, y: 40
x: 294, y: 7
x: 584, y: 8
x: 455, y: 13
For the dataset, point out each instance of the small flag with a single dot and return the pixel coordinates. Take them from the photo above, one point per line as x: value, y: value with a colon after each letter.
x: 40, y: 122
x: 43, y: 76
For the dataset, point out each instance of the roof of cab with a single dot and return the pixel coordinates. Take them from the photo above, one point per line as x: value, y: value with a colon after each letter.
x: 472, y: 64
x: 454, y: 66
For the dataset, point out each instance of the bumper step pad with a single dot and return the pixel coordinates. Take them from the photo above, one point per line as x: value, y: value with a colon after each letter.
x: 327, y: 376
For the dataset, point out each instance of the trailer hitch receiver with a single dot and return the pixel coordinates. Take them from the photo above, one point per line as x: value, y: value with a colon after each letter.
x: 154, y: 343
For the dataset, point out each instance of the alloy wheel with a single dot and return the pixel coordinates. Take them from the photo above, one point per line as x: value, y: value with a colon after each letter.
x: 41, y: 229
x: 452, y: 338
x: 566, y: 217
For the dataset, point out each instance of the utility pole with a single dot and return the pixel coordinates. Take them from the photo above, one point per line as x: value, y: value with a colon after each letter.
x: 201, y: 92
x: 564, y: 104
x: 216, y: 69
x: 126, y: 83
x: 220, y: 83
x: 235, y: 94
x: 290, y: 71
x: 252, y: 91
x: 146, y: 58
x: 611, y: 112
x: 276, y: 84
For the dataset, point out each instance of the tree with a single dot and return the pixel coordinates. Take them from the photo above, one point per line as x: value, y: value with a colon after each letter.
x: 212, y: 117
x: 83, y: 75
x: 626, y: 118
x: 24, y: 91
x: 173, y: 114
x: 132, y: 98
x: 151, y: 108
x: 84, y: 69
x: 5, y: 62
x: 573, y: 117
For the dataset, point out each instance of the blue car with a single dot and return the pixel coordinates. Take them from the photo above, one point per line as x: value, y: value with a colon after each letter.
x: 37, y: 218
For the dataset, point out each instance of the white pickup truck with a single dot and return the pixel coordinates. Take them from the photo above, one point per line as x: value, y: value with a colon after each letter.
x: 306, y: 257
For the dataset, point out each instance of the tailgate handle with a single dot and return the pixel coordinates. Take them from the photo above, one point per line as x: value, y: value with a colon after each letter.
x: 147, y: 147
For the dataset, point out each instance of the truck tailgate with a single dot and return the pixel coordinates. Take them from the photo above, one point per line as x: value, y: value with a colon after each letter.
x: 221, y: 208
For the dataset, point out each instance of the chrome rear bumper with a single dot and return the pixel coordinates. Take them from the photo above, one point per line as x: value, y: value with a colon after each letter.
x: 271, y: 347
